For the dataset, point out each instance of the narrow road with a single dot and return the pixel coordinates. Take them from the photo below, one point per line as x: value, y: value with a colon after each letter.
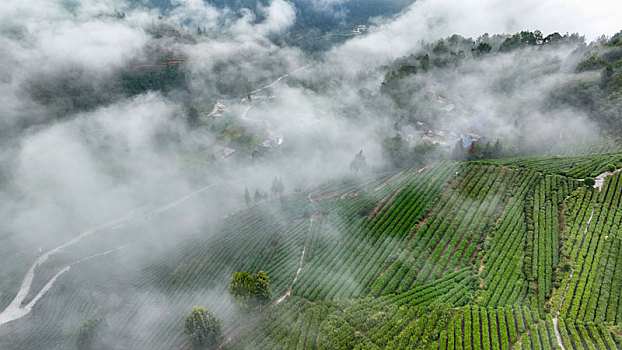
x: 15, y: 310
x: 302, y: 257
x: 279, y: 79
x: 561, y: 301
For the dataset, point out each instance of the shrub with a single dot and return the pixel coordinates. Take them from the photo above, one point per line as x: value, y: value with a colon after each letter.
x: 93, y: 335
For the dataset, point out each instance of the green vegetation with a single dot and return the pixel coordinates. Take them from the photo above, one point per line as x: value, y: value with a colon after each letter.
x: 574, y: 166
x: 476, y: 255
x: 93, y: 335
x: 202, y: 327
x: 251, y: 291
x: 421, y: 87
x: 444, y: 292
x: 162, y: 79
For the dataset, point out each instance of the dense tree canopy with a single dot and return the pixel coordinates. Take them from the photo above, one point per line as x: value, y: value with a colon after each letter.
x: 202, y: 327
x: 251, y: 290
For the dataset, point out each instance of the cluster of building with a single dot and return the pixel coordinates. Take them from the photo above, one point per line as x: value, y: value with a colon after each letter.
x: 360, y: 29
x: 223, y: 105
x: 269, y: 145
x: 447, y: 137
x: 450, y: 138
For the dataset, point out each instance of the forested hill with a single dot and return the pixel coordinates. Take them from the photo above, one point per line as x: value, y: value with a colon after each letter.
x: 494, y: 74
x: 319, y: 26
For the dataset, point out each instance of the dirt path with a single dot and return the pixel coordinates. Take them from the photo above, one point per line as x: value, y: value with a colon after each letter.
x: 302, y: 257
x: 561, y: 301
x: 15, y: 310
x: 600, y: 181
x: 234, y: 332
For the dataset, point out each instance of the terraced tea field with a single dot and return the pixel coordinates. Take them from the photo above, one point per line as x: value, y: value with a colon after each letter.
x: 504, y: 254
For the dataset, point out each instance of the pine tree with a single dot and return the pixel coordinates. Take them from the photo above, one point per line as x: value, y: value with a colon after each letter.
x: 279, y: 187
x: 497, y: 149
x: 358, y: 164
x: 262, y: 292
x: 247, y: 197
x: 459, y: 153
x: 275, y: 186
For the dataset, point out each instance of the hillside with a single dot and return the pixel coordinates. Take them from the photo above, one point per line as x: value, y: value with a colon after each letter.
x: 494, y: 255
x: 310, y: 174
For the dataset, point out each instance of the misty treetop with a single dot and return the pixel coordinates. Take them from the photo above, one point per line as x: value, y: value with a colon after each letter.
x: 251, y: 290
x: 431, y: 87
x: 359, y: 163
x: 202, y: 327
x: 94, y: 334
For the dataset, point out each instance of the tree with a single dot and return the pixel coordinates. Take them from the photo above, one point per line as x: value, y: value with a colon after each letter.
x: 251, y: 291
x: 395, y: 150
x: 243, y: 288
x: 247, y: 197
x: 275, y: 186
x: 202, y: 327
x: 611, y: 167
x: 487, y: 151
x: 258, y: 196
x: 280, y: 188
x: 459, y: 152
x: 262, y: 292
x: 193, y: 117
x: 475, y: 152
x: 359, y: 163
x: 497, y: 149
x: 482, y: 49
x: 426, y: 152
x: 589, y: 181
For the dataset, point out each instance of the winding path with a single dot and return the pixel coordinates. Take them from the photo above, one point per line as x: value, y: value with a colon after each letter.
x: 15, y: 310
x: 561, y: 301
x: 600, y: 181
x: 233, y: 333
x: 302, y: 257
x: 279, y: 79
